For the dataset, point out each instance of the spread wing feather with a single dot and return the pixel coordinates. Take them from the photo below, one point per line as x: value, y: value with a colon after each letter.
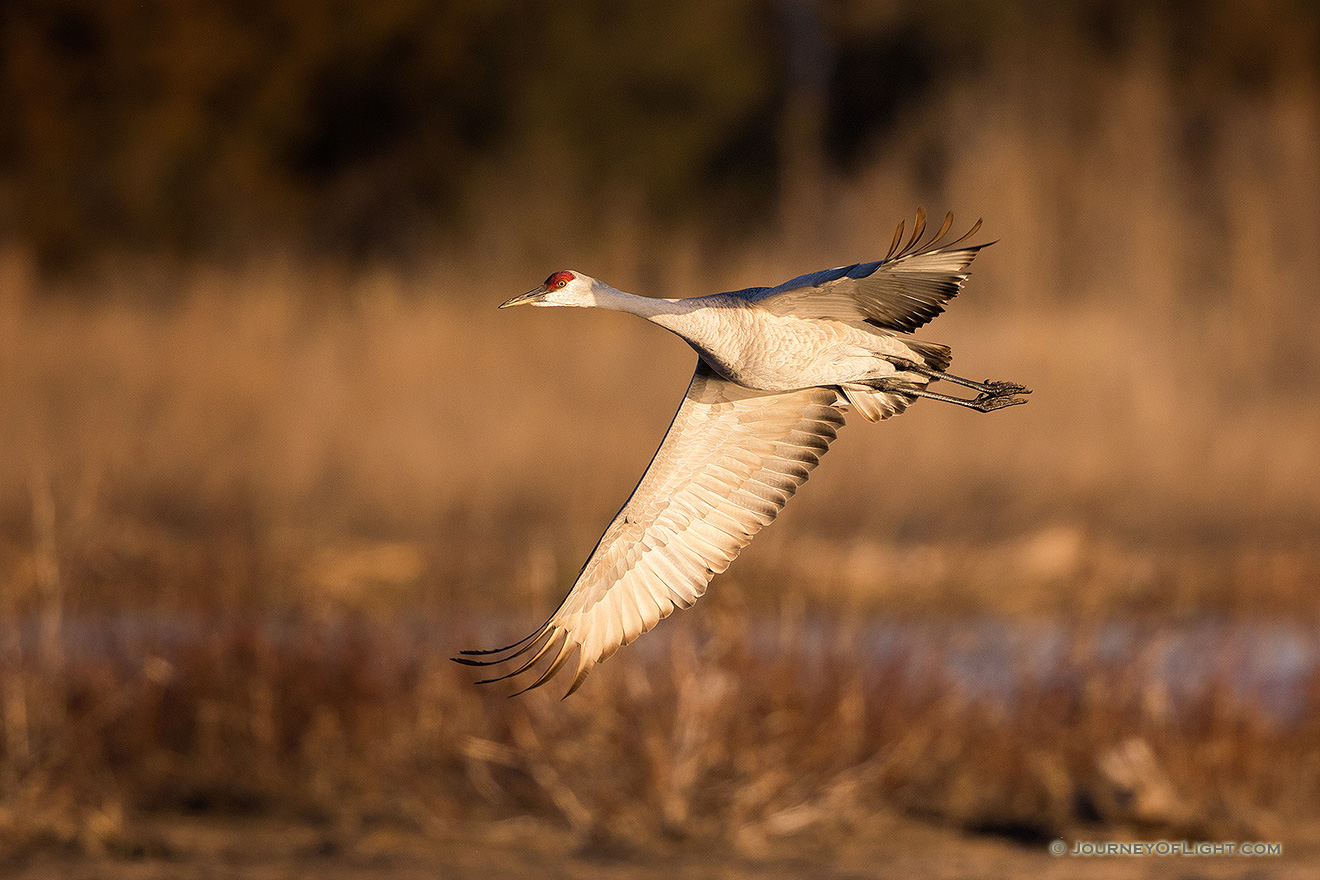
x: 902, y: 292
x: 730, y: 461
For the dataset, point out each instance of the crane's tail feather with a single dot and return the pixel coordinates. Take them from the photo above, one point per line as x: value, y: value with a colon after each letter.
x: 873, y: 404
x: 935, y: 356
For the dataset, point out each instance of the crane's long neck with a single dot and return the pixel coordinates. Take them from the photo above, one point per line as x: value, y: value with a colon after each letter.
x: 606, y: 297
x: 692, y: 320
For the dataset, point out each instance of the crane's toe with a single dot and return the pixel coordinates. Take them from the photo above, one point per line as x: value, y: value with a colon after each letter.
x: 990, y: 401
x: 1003, y: 389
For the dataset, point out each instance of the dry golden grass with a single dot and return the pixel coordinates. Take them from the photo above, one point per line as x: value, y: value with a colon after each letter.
x: 720, y: 737
x: 246, y: 515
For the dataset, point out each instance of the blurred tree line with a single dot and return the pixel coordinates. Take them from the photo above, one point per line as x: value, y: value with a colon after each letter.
x: 369, y: 129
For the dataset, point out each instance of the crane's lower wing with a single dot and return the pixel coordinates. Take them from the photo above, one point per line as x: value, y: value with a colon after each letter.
x: 728, y: 464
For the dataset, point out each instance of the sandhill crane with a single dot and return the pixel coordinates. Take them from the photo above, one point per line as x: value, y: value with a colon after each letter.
x: 777, y: 369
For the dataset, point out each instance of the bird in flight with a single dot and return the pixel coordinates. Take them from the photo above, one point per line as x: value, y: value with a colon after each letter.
x: 777, y: 368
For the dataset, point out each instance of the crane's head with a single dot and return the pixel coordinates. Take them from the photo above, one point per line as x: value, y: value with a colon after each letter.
x: 560, y: 289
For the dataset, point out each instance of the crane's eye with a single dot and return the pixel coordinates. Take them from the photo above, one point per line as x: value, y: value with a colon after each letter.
x: 560, y: 283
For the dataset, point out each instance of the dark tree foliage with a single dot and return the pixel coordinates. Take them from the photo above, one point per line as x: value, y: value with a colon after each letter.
x: 163, y: 127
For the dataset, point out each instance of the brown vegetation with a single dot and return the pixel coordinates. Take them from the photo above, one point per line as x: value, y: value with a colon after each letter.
x: 356, y: 724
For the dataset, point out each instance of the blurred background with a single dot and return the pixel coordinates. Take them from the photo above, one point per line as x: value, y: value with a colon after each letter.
x: 269, y: 455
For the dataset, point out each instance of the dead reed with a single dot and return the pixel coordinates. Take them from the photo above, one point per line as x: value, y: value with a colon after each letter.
x: 728, y: 733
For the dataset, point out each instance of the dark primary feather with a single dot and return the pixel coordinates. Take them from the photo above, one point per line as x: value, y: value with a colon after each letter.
x: 902, y: 292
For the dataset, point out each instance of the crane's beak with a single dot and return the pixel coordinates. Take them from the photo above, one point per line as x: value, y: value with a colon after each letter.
x: 523, y: 299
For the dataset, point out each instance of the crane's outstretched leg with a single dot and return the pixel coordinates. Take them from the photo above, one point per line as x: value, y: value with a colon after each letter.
x: 988, y: 387
x: 984, y: 402
x: 996, y: 395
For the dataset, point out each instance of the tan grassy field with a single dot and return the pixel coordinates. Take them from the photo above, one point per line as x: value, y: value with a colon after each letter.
x: 247, y: 513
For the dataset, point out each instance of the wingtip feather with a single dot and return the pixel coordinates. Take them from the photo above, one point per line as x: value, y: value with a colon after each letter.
x: 898, y: 238
x: 944, y: 228
x: 918, y: 227
x: 505, y: 648
x: 531, y: 661
x: 565, y: 651
x: 586, y: 662
x: 968, y: 234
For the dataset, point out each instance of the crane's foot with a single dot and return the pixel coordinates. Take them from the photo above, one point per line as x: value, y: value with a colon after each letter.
x: 991, y: 388
x: 989, y: 402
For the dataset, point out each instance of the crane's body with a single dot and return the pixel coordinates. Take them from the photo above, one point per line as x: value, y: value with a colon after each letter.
x: 756, y: 348
x: 777, y: 368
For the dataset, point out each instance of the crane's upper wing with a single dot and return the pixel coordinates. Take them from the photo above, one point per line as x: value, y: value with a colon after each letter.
x: 901, y: 292
x: 730, y: 461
